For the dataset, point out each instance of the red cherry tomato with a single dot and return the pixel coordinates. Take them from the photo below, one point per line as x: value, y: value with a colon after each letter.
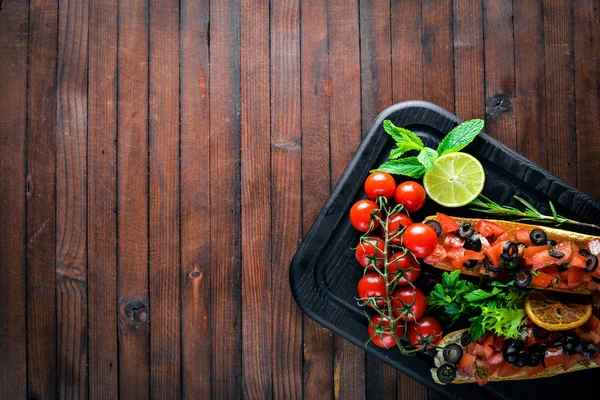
x: 383, y: 338
x: 425, y: 331
x: 409, y: 303
x: 380, y: 184
x: 360, y: 215
x: 411, y: 194
x: 369, y: 249
x: 396, y: 222
x: 420, y: 239
x: 372, y: 285
x: 407, y: 263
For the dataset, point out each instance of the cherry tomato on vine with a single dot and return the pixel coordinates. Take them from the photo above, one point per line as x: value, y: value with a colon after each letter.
x: 360, y: 215
x: 420, y: 239
x: 411, y: 194
x: 372, y: 285
x: 380, y: 184
x: 395, y: 223
x: 409, y: 303
x: 368, y: 249
x: 426, y: 331
x: 407, y: 263
x: 384, y: 338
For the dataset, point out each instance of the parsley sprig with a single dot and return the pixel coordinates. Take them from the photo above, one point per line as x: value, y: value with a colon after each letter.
x: 416, y: 166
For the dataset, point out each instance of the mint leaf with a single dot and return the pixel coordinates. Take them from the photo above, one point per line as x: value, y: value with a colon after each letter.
x: 427, y: 156
x: 403, y: 147
x: 401, y: 135
x: 409, y: 166
x: 459, y: 137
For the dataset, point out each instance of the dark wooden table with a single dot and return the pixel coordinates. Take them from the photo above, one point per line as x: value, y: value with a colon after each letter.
x: 160, y: 161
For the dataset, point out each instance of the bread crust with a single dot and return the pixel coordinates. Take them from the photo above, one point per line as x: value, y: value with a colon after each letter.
x: 559, y: 235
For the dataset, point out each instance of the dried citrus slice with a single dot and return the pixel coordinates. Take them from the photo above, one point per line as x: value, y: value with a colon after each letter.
x: 554, y: 315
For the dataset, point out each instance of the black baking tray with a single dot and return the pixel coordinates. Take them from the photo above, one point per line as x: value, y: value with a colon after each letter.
x: 324, y: 272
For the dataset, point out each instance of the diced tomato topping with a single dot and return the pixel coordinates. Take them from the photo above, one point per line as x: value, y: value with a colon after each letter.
x: 439, y: 253
x: 478, y: 350
x: 554, y: 357
x: 543, y: 259
x: 575, y: 275
x: 489, y: 229
x: 494, y: 368
x: 529, y: 252
x: 458, y: 262
x: 594, y: 246
x: 455, y: 252
x: 496, y: 358
x: 453, y: 241
x: 541, y: 280
x: 531, y: 371
x: 596, y: 358
x: 466, y: 365
x: 563, y: 276
x: 488, y: 351
x: 484, y: 242
x: 495, y: 252
x: 448, y: 224
x: 473, y: 255
x: 523, y: 237
x: 565, y: 248
x: 471, y: 347
x: 590, y: 337
x: 507, y: 369
x: 593, y: 324
x: 482, y: 370
x: 577, y: 260
x: 571, y: 360
x: 551, y: 270
x: 499, y: 343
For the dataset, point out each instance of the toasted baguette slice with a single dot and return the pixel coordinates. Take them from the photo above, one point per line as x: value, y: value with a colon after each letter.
x: 454, y: 337
x: 559, y: 235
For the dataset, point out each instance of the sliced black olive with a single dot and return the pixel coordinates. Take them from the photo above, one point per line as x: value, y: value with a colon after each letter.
x: 576, y: 350
x: 570, y: 342
x: 435, y: 225
x: 512, y: 348
x: 537, y: 348
x: 491, y: 267
x: 540, y: 333
x: 538, y: 237
x: 523, y: 359
x: 446, y: 373
x: 466, y: 230
x: 453, y: 353
x: 584, y: 252
x: 522, y: 277
x: 511, y: 358
x: 596, y: 280
x: 556, y: 254
x: 470, y: 264
x: 561, y: 268
x: 465, y: 339
x: 551, y: 242
x: 589, y: 349
x: 510, y: 251
x: 472, y: 243
x: 557, y: 343
x: 591, y: 263
x: 535, y: 358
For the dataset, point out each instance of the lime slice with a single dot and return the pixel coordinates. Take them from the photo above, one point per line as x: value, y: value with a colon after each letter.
x: 456, y: 180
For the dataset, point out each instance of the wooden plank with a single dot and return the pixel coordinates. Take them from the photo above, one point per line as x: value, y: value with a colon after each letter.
x: 71, y: 199
x: 41, y: 201
x: 14, y: 27
x: 409, y: 389
x: 316, y: 95
x: 102, y: 199
x: 195, y: 200
x: 285, y: 195
x: 586, y: 32
x: 345, y: 131
x: 530, y: 109
x: 225, y: 278
x: 560, y: 88
x: 499, y: 71
x: 468, y: 59
x: 438, y: 67
x: 407, y: 51
x: 165, y: 256
x: 257, y: 324
x: 134, y: 340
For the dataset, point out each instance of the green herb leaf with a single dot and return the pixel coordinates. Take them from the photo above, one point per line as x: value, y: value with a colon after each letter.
x: 402, y: 148
x: 459, y: 137
x: 409, y: 166
x: 427, y: 157
x: 401, y: 135
x: 480, y: 294
x: 476, y: 330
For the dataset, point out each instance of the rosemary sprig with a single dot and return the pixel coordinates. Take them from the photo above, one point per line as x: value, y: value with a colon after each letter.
x: 530, y: 214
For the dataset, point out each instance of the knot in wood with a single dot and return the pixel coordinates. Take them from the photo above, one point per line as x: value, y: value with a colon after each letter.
x: 496, y: 105
x: 134, y: 311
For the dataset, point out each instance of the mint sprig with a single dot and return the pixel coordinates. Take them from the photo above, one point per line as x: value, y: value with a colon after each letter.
x: 415, y: 167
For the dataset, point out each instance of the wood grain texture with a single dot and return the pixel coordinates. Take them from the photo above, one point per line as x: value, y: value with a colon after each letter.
x: 42, y: 380
x: 316, y: 97
x: 257, y: 325
x: 407, y: 50
x: 195, y: 199
x: 225, y: 207
x: 438, y: 66
x: 102, y: 200
x: 14, y: 26
x: 586, y: 31
x: 560, y: 88
x: 468, y: 59
x: 499, y: 71
x: 286, y: 194
x: 71, y: 199
x: 530, y: 82
x: 165, y: 261
x: 133, y: 208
